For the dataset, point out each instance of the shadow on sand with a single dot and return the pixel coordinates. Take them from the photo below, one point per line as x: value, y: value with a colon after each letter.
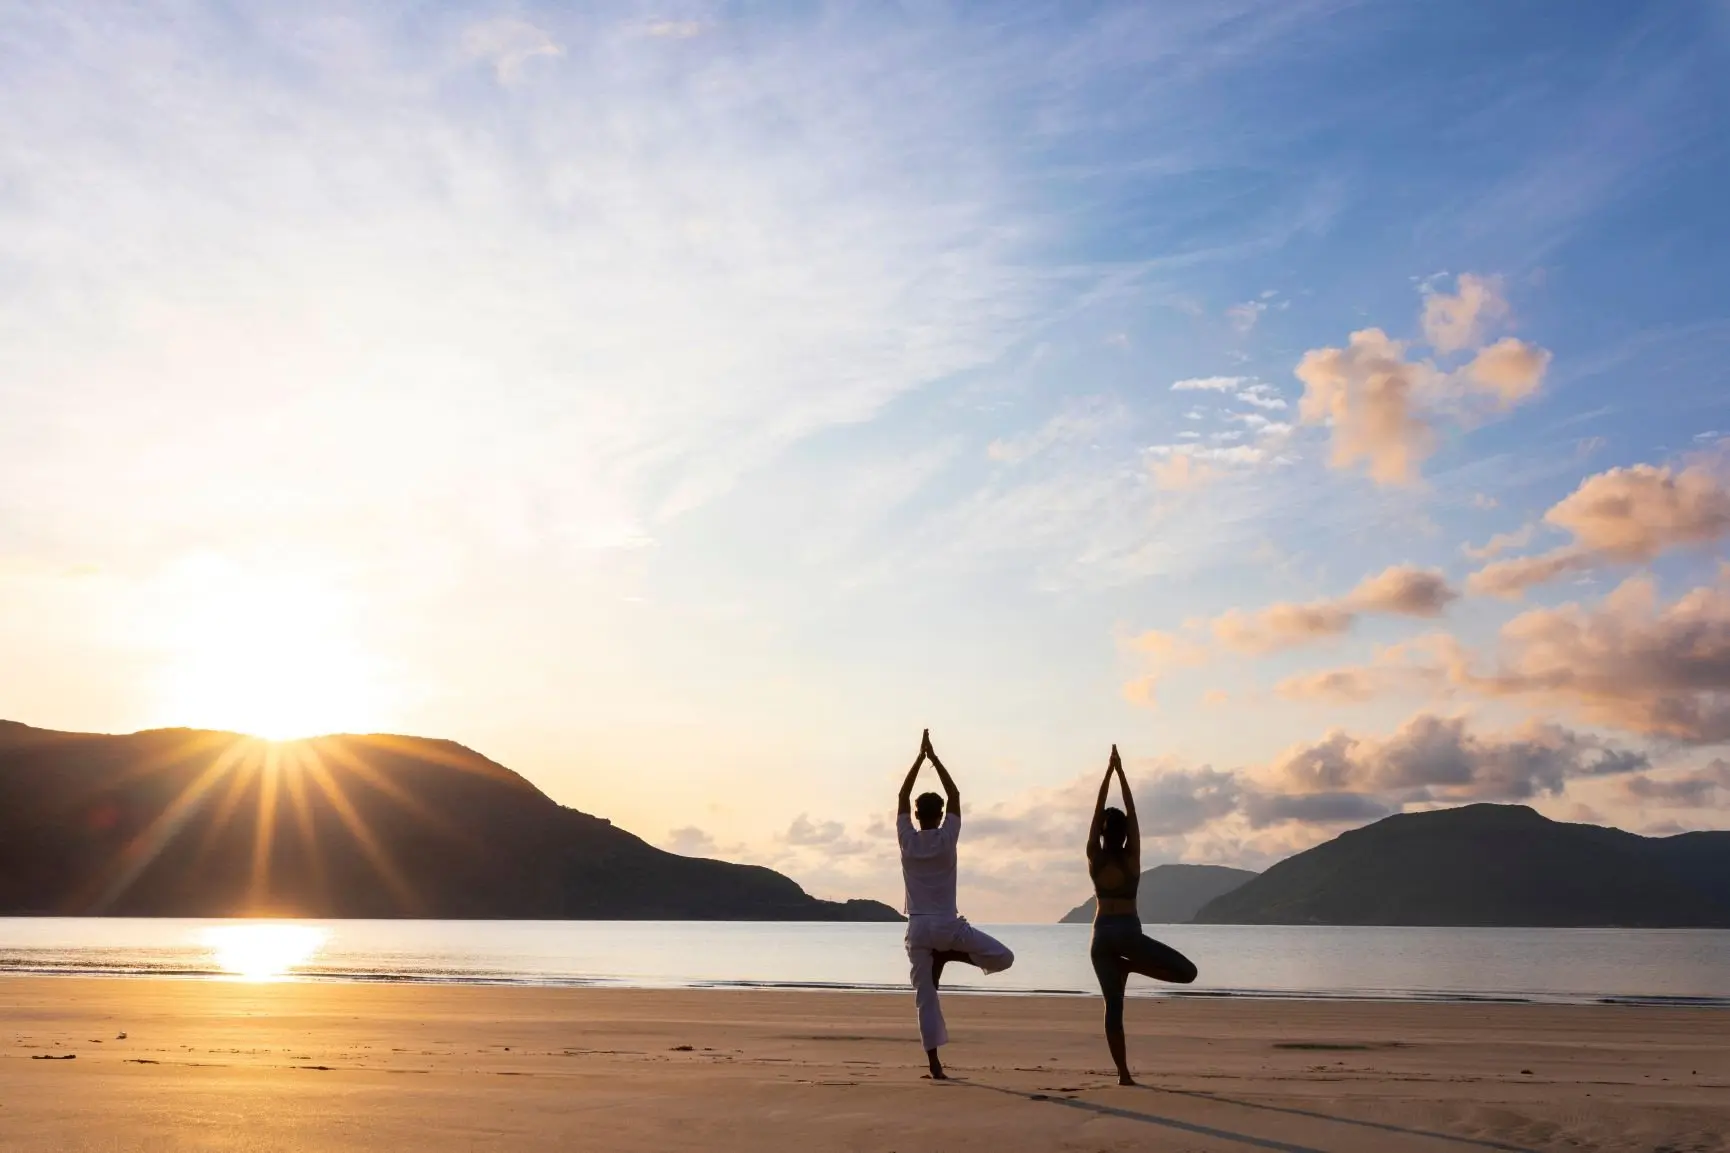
x: 1432, y: 1134
x: 1248, y: 1139
x: 1189, y: 1127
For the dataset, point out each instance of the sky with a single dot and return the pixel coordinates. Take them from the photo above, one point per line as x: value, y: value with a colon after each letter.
x: 684, y: 405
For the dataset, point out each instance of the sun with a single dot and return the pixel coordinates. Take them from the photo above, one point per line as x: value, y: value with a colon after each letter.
x: 273, y: 655
x: 263, y: 952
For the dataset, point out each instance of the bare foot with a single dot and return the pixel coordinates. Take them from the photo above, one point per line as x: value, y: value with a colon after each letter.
x: 1125, y: 1079
x: 937, y: 1073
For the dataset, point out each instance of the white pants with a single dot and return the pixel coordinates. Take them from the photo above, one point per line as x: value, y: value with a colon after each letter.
x: 928, y: 934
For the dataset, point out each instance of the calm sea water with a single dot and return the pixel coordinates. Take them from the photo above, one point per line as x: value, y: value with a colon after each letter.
x: 1519, y: 964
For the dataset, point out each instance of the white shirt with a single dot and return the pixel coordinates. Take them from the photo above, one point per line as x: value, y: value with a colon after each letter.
x: 928, y: 864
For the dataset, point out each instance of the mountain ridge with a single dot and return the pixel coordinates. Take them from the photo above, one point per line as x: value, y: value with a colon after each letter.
x: 1171, y: 894
x: 190, y: 822
x: 1491, y: 865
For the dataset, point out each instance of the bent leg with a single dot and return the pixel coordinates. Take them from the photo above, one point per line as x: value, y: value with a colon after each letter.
x: 1153, y: 959
x: 942, y: 957
x: 982, y: 949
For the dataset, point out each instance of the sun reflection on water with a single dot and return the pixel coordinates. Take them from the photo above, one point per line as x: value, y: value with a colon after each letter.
x: 263, y: 952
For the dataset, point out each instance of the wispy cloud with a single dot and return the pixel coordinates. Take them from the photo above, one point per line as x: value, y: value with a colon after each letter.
x: 1210, y: 384
x: 646, y: 288
x: 508, y: 44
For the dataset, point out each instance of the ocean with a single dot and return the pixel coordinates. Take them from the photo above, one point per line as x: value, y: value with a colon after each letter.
x: 1579, y: 965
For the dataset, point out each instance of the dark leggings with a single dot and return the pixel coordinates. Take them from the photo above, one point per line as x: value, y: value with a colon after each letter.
x: 1120, y: 948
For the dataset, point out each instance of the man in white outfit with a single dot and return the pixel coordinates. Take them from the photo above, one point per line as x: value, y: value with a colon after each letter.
x: 936, y: 932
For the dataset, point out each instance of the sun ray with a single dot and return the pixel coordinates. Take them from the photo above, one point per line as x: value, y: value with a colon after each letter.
x: 231, y: 798
x: 308, y: 830
x: 407, y: 899
x: 264, y: 826
x: 148, y: 845
x: 169, y: 758
x: 370, y: 775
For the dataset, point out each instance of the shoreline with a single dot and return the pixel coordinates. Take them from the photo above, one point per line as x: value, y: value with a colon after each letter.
x: 1139, y: 992
x: 128, y: 1065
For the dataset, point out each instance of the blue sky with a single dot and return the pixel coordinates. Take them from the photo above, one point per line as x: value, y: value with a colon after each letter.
x: 685, y: 405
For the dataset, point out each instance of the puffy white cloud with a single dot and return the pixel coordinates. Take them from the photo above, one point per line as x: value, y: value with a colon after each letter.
x: 1401, y: 590
x: 1510, y: 578
x: 1382, y: 408
x: 1701, y: 788
x: 1281, y: 626
x: 1434, y: 759
x: 1367, y: 392
x: 1457, y: 321
x: 1627, y: 515
x: 1405, y: 590
x: 1630, y: 662
x: 1509, y: 368
x: 1633, y: 514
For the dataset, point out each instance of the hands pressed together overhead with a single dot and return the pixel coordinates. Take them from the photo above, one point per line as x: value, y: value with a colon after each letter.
x: 927, y: 753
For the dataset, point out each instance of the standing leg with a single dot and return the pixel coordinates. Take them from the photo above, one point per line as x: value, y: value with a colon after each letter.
x: 1113, y: 974
x: 933, y: 1033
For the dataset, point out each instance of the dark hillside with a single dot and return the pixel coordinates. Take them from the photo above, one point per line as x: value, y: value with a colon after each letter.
x: 1490, y: 865
x: 177, y: 822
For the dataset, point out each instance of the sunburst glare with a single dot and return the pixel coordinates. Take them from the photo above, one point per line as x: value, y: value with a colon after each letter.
x: 263, y: 952
x: 271, y: 655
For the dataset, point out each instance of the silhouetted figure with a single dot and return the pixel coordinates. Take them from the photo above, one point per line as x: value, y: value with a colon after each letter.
x: 936, y: 932
x: 1119, y: 946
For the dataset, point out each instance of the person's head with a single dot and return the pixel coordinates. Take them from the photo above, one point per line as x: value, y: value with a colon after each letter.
x: 929, y: 809
x: 1115, y: 829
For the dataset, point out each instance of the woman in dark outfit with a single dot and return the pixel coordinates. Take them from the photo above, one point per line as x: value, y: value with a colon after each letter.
x: 1119, y: 946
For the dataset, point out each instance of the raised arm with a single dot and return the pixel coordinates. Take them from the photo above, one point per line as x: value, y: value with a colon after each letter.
x: 1134, y: 842
x: 1098, y: 827
x: 904, y: 801
x: 953, y: 795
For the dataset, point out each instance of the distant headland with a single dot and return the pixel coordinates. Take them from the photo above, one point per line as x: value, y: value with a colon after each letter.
x: 189, y: 823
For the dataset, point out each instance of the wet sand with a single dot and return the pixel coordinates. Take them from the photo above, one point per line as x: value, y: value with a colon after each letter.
x: 210, y: 1065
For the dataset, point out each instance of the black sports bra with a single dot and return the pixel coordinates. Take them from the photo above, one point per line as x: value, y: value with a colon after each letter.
x: 1114, y: 876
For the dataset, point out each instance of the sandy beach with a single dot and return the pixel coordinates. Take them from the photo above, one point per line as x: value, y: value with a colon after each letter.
x: 202, y: 1065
